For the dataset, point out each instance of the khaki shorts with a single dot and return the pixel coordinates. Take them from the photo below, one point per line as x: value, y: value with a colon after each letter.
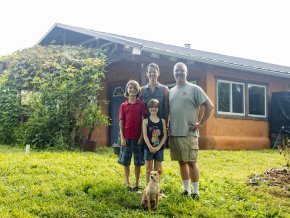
x: 183, y: 148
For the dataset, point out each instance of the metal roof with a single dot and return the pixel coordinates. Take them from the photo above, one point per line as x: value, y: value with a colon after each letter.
x: 182, y: 52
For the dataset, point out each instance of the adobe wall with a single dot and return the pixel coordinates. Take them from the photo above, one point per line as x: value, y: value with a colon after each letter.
x: 220, y: 132
x: 243, y: 132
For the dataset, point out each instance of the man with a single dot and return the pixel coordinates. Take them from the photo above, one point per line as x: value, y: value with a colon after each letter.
x: 185, y: 100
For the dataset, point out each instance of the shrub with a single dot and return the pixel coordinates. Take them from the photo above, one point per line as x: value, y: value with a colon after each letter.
x: 10, y: 115
x: 61, y: 80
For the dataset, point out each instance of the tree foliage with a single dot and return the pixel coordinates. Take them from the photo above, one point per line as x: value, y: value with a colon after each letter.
x: 62, y: 83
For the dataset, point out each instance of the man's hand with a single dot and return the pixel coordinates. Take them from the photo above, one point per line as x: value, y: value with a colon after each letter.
x: 195, y: 126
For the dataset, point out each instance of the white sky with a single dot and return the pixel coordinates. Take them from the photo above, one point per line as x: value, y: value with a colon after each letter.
x: 253, y: 29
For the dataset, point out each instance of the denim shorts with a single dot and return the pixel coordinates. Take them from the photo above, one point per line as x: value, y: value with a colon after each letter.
x: 159, y: 155
x: 125, y: 155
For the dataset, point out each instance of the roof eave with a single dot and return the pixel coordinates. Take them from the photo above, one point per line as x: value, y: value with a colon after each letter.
x: 144, y: 47
x: 95, y: 34
x: 218, y: 62
x: 46, y: 34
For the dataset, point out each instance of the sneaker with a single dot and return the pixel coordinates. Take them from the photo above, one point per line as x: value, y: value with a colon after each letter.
x: 162, y: 195
x: 129, y: 188
x: 185, y: 193
x: 195, y: 197
x: 135, y: 188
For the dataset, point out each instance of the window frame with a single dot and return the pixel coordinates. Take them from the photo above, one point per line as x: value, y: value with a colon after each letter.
x: 265, y: 100
x: 231, y: 102
x: 246, y: 115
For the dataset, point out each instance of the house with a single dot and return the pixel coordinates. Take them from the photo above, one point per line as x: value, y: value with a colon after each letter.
x: 241, y: 89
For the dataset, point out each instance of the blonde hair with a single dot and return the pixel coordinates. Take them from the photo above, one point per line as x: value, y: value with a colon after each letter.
x: 134, y: 83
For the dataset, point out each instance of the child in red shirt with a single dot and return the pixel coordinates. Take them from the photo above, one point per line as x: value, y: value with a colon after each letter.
x: 131, y: 115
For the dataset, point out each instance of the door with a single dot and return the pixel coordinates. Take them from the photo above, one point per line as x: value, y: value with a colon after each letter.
x: 116, y: 99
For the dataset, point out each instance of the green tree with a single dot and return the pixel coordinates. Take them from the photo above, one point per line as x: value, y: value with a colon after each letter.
x: 63, y: 80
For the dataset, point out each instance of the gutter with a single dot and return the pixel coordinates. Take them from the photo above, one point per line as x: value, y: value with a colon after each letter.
x: 216, y: 62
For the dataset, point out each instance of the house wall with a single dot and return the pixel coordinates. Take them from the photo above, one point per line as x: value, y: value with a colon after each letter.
x: 126, y: 70
x: 220, y: 132
x: 238, y: 132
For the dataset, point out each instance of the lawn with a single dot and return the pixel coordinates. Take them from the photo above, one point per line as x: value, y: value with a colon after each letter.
x: 77, y: 184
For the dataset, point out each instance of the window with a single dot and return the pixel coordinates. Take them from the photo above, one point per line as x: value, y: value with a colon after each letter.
x: 257, y: 100
x: 231, y: 97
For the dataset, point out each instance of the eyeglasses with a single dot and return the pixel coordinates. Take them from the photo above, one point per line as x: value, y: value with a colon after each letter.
x: 153, y: 107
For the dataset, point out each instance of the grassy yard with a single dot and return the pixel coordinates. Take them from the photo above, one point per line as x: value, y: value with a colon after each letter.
x: 75, y: 184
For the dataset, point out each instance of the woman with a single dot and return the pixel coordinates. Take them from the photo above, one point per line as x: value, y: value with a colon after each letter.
x: 155, y: 90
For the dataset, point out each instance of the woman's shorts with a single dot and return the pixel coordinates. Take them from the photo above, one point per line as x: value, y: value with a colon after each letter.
x: 125, y: 155
x: 183, y: 148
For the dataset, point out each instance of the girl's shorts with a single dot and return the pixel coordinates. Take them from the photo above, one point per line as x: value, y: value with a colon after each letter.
x: 159, y: 155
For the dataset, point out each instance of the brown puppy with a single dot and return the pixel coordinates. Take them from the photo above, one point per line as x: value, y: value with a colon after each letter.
x: 151, y: 192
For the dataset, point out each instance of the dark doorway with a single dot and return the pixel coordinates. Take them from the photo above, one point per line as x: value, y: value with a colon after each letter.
x: 116, y: 99
x: 279, y: 116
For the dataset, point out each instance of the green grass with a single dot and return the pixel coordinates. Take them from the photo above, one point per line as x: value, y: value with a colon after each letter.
x: 75, y: 184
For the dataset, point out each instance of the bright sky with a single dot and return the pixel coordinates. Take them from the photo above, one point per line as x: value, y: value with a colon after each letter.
x: 253, y: 29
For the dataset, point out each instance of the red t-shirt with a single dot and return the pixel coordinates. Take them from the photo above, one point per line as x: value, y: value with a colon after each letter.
x: 132, y: 114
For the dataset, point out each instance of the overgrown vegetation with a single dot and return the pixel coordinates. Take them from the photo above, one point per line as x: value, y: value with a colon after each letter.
x: 74, y: 184
x: 284, y: 147
x: 46, y: 92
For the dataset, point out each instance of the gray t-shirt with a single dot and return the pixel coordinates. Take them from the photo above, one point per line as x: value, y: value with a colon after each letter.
x: 184, y: 104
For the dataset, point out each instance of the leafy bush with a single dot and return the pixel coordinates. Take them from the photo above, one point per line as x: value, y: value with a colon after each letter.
x: 62, y: 80
x: 284, y: 147
x: 10, y: 115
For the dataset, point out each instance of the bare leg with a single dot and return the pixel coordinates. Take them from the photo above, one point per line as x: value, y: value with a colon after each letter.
x: 149, y: 168
x: 157, y: 165
x: 184, y: 171
x: 137, y: 174
x: 127, y: 175
x: 193, y: 171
